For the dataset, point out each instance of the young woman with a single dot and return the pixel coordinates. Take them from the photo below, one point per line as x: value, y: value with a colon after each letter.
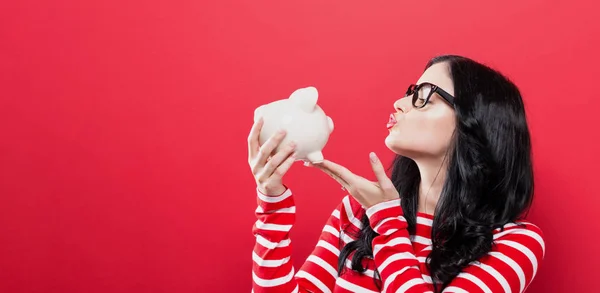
x: 448, y: 219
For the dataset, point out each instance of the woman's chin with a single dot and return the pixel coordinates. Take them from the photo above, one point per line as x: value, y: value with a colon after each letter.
x: 394, y: 144
x: 398, y: 146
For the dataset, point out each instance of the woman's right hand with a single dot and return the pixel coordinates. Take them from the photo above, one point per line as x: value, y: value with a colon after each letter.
x: 269, y: 170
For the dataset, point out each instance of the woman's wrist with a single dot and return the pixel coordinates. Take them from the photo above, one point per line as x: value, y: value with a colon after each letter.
x: 273, y: 192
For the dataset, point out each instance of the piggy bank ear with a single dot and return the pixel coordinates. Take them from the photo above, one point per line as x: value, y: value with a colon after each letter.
x: 305, y: 98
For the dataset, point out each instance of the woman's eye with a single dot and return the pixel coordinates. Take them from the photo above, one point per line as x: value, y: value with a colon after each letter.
x: 425, y: 91
x: 419, y: 102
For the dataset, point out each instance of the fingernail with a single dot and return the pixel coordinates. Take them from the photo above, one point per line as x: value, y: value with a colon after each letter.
x: 292, y: 145
x: 281, y: 131
x: 373, y: 157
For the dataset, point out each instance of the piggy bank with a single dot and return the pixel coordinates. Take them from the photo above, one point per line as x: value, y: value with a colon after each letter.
x: 304, y: 121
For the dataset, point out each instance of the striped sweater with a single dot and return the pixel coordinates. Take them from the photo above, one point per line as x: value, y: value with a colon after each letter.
x: 398, y: 257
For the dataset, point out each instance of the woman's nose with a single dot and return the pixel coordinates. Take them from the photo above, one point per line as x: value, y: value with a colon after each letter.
x: 403, y: 104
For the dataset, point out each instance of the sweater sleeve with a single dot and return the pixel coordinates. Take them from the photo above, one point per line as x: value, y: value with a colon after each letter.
x: 273, y: 269
x: 509, y: 267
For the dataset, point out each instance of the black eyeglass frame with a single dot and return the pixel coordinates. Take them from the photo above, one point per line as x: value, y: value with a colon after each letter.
x: 413, y: 90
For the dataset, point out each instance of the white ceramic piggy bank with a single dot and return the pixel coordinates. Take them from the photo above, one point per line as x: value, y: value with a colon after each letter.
x: 304, y: 121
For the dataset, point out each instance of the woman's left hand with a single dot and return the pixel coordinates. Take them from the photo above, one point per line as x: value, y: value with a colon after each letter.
x: 366, y: 192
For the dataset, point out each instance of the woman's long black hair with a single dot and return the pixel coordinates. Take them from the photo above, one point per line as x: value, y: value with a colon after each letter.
x: 489, y: 179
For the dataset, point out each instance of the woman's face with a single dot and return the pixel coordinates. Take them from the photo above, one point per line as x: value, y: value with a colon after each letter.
x: 427, y: 131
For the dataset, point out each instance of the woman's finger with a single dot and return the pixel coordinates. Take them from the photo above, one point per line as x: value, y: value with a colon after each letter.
x: 276, y: 160
x: 266, y: 149
x: 341, y: 181
x: 253, y: 144
x: 339, y: 171
x: 379, y: 170
x: 283, y: 168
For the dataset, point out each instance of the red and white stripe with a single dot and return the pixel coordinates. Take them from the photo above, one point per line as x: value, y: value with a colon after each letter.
x: 399, y: 258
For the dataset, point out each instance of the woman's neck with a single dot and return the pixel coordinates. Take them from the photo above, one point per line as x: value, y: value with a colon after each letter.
x: 433, y: 175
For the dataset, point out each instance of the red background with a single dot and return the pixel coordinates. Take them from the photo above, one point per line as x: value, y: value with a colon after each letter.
x: 123, y: 125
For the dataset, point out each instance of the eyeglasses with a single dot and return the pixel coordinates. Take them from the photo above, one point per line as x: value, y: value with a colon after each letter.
x: 421, y: 94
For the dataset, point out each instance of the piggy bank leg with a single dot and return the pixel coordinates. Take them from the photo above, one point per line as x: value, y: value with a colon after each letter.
x: 315, y: 157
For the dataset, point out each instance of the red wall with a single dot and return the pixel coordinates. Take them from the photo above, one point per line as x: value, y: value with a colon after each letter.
x: 123, y: 125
